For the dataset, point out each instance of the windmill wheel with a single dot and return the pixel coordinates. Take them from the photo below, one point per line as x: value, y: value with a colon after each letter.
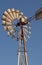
x: 9, y: 20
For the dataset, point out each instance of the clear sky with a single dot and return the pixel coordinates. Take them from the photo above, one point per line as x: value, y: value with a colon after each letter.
x: 8, y: 47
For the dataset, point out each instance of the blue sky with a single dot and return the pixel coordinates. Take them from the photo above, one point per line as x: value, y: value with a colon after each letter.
x: 8, y: 47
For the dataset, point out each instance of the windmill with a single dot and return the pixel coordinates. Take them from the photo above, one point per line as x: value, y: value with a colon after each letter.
x: 17, y: 26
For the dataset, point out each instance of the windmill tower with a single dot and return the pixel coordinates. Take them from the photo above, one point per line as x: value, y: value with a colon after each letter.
x: 17, y: 26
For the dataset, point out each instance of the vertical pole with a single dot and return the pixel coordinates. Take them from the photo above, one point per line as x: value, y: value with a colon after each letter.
x: 25, y: 53
x: 22, y: 54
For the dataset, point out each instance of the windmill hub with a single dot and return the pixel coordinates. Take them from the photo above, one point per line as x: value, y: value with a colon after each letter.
x: 21, y: 23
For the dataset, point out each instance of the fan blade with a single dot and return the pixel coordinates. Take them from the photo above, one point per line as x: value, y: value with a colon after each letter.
x: 29, y: 28
x: 28, y: 36
x: 29, y: 32
x: 14, y: 13
x: 7, y: 15
x: 17, y: 13
x: 3, y: 22
x: 4, y: 18
x: 10, y: 13
x: 5, y: 28
x: 10, y: 27
x: 23, y: 19
x: 21, y: 13
x: 9, y: 33
x: 25, y: 30
x: 8, y: 23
